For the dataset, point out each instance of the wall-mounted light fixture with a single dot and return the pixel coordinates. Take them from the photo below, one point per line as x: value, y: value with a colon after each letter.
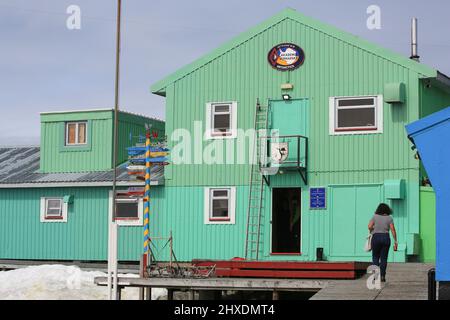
x: 287, y: 86
x: 285, y: 96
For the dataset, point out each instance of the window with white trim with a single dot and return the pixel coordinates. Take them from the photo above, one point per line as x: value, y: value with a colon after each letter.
x: 356, y: 115
x: 220, y: 205
x: 76, y: 133
x: 221, y: 120
x: 129, y: 209
x: 53, y: 210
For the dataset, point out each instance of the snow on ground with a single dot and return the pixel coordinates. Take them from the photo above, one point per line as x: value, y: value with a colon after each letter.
x: 59, y: 282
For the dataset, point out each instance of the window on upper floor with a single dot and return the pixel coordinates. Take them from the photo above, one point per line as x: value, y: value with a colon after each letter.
x: 221, y: 120
x: 356, y: 115
x: 76, y: 133
x: 220, y: 205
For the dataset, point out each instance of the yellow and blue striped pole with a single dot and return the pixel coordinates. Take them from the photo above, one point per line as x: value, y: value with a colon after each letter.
x: 147, y: 194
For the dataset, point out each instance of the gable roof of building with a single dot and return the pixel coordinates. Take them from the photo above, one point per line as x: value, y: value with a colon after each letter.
x: 427, y: 72
x: 19, y: 168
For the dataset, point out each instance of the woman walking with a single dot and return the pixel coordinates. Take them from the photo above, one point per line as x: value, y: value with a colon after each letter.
x: 379, y: 226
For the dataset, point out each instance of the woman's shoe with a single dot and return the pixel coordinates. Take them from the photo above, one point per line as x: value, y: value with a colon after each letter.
x: 383, y: 279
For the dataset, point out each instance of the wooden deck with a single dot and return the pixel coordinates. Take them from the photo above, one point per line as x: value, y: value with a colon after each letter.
x: 405, y: 281
x: 244, y: 284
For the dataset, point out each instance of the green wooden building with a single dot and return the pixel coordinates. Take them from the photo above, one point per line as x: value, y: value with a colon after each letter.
x: 55, y: 199
x: 339, y: 104
x: 329, y: 111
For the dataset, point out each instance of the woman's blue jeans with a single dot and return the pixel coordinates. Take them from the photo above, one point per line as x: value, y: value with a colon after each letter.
x: 381, y: 243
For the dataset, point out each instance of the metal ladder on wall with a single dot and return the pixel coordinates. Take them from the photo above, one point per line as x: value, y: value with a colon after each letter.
x: 256, y: 192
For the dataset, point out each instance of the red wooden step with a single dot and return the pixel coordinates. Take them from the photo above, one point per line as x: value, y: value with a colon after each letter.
x: 289, y: 265
x: 284, y: 269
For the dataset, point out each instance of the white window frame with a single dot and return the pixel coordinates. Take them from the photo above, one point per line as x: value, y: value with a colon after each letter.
x: 128, y: 222
x: 208, y: 191
x: 210, y: 134
x: 44, y: 206
x: 77, y: 124
x: 333, y: 106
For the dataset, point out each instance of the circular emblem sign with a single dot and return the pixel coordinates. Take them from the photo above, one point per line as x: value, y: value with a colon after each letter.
x: 286, y: 56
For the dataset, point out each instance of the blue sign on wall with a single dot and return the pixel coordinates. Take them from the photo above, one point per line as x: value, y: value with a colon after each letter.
x: 317, y: 198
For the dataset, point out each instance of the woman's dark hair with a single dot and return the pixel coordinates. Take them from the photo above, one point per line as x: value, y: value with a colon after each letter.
x: 383, y: 209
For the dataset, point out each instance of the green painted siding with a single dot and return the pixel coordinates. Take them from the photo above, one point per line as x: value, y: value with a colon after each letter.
x: 353, y: 168
x: 56, y: 158
x: 433, y: 98
x: 427, y: 224
x: 332, y: 68
x: 97, y: 155
x: 83, y: 237
x: 134, y: 125
x: 340, y: 229
x: 183, y: 215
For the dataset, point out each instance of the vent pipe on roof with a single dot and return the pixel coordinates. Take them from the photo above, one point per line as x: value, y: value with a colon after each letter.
x: 414, y: 53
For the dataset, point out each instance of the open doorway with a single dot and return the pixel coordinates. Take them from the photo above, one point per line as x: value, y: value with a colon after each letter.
x: 286, y: 220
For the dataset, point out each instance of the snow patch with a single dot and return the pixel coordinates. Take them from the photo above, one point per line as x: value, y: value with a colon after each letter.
x: 59, y: 282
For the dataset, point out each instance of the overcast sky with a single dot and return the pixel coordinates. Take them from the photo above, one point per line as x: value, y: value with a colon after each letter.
x: 44, y: 66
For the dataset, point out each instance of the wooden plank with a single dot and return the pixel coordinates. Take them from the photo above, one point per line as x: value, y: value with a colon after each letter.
x: 283, y: 265
x: 405, y: 281
x: 297, y: 274
x: 220, y: 283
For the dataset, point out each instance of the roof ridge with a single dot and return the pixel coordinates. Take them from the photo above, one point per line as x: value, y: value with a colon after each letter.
x: 289, y: 13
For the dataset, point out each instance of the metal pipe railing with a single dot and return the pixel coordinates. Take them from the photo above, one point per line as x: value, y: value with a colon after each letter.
x: 299, y: 144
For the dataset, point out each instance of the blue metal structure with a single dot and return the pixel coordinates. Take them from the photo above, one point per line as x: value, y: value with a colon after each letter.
x: 431, y: 136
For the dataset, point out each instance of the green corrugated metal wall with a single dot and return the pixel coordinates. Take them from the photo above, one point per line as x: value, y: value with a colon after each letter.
x: 357, y: 165
x: 134, y: 124
x: 331, y: 68
x: 433, y: 98
x: 98, y: 156
x: 427, y: 224
x: 54, y: 159
x: 83, y: 237
x: 340, y: 229
x: 183, y: 214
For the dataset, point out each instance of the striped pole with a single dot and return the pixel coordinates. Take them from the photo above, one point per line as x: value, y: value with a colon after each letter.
x: 147, y: 194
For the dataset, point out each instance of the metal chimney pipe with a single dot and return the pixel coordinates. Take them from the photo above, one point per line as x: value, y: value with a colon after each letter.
x: 414, y: 53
